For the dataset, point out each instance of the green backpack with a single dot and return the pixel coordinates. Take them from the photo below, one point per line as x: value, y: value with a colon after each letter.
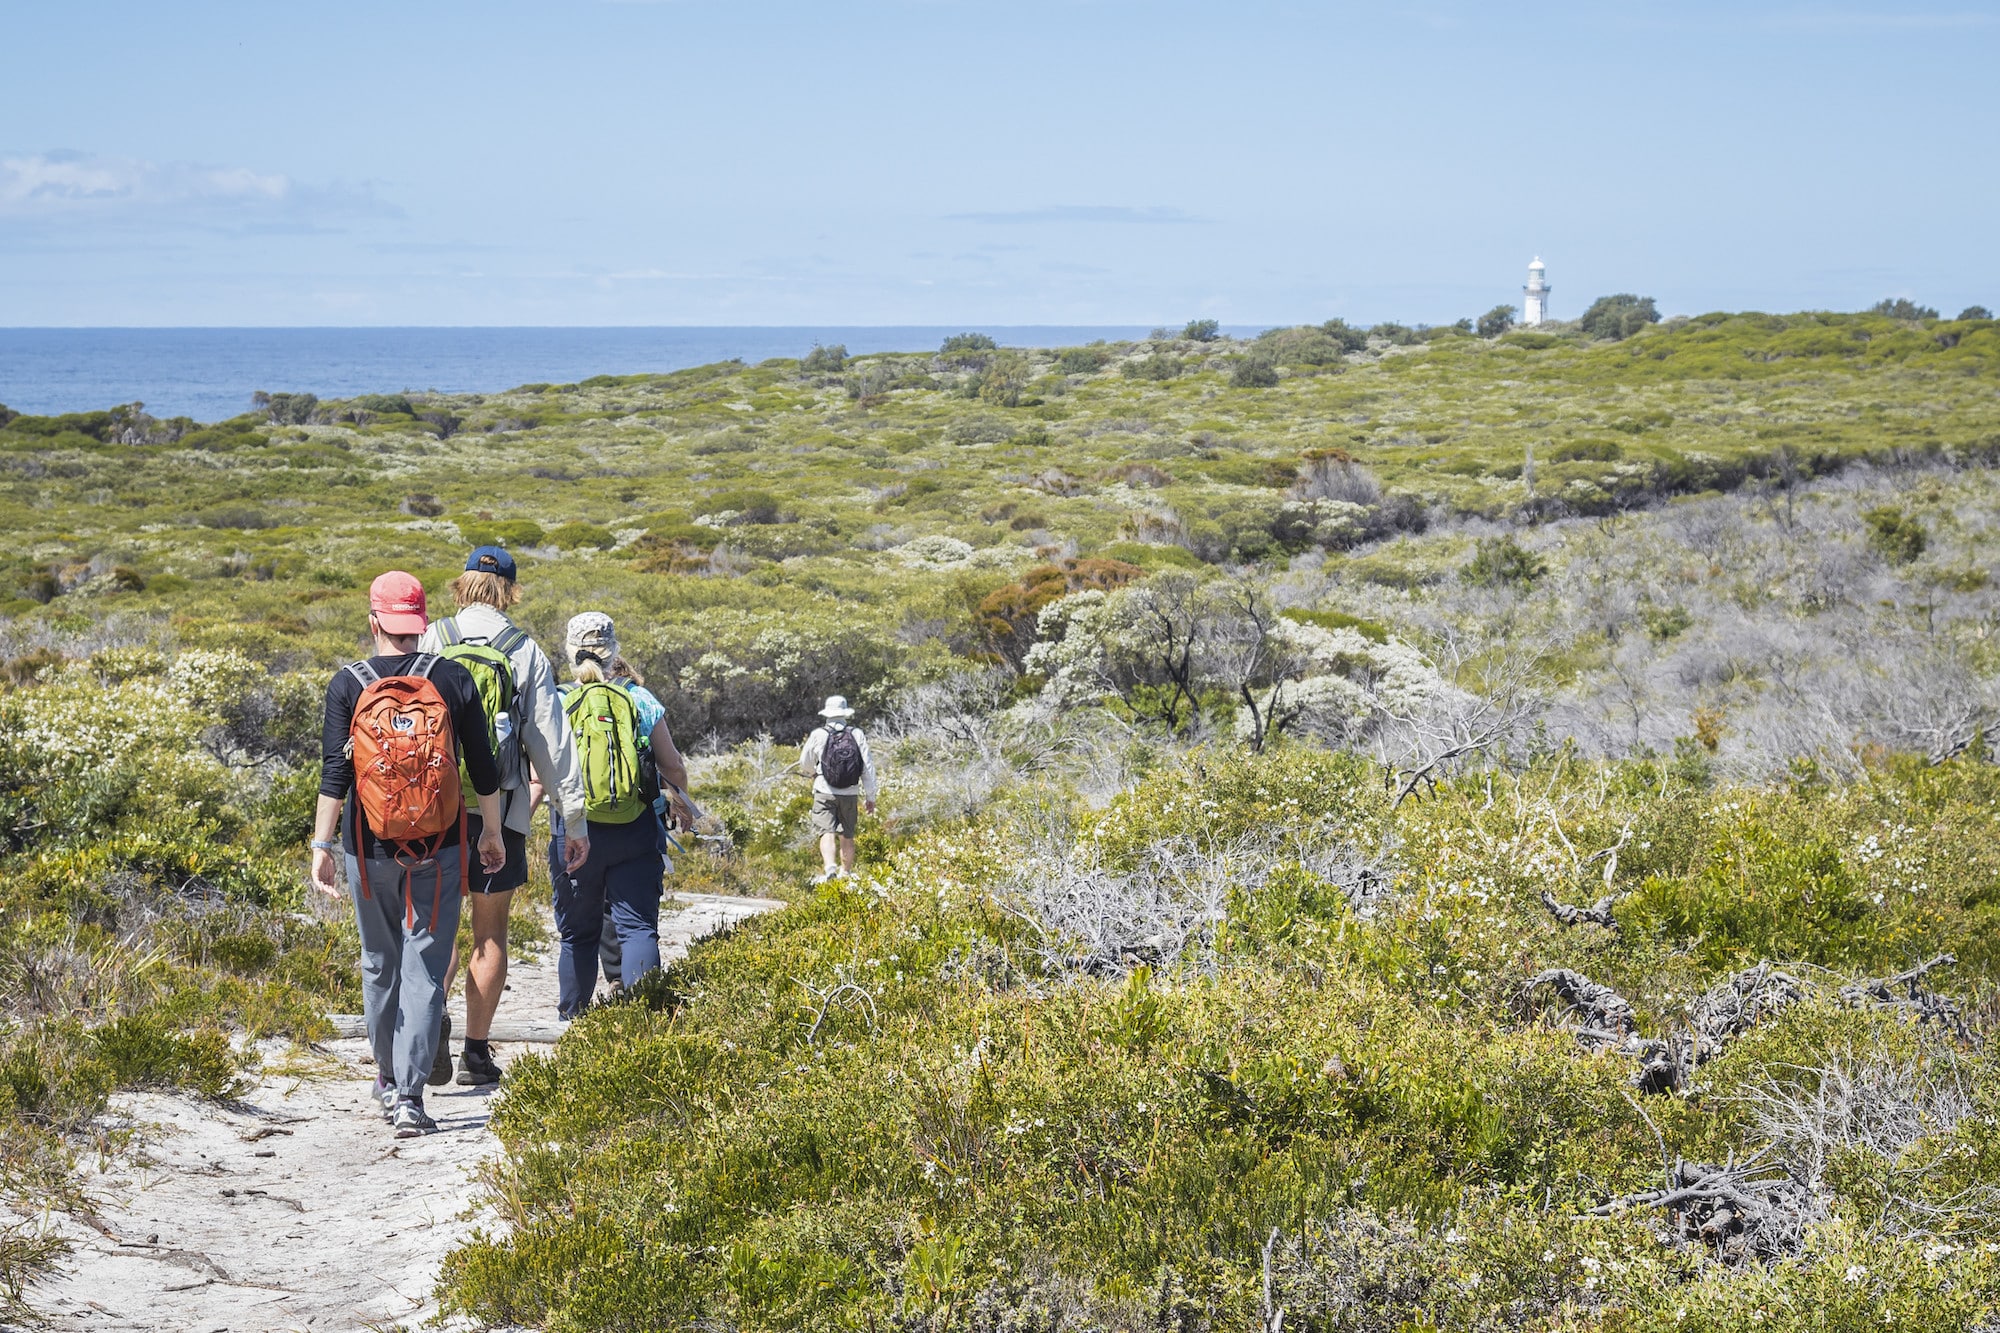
x: 490, y: 664
x: 605, y: 722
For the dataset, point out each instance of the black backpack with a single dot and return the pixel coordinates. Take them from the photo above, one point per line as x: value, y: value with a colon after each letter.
x: 840, y: 761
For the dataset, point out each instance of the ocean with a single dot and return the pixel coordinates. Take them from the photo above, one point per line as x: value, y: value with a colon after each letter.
x: 209, y: 374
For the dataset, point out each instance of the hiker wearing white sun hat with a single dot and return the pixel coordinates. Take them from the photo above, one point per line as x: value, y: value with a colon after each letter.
x: 843, y: 774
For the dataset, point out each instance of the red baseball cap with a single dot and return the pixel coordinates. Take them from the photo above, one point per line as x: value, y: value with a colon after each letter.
x: 396, y: 600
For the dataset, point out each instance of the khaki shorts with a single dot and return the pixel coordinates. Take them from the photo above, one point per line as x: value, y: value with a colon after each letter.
x: 835, y: 814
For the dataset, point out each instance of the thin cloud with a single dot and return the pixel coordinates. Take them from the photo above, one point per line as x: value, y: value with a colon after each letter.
x: 49, y: 186
x: 1113, y: 213
x: 1859, y: 21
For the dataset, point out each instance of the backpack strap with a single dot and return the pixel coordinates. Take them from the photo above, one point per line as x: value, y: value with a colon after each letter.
x: 424, y: 663
x: 364, y: 671
x: 447, y: 631
x: 507, y: 640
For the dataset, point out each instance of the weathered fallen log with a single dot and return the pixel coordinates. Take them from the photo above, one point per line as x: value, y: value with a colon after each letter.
x: 1597, y: 914
x: 1726, y: 1011
x: 1752, y: 1210
x: 1906, y: 993
x: 1598, y: 1005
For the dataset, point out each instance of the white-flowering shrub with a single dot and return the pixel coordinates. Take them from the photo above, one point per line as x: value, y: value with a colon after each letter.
x: 935, y: 552
x: 211, y: 681
x: 75, y: 721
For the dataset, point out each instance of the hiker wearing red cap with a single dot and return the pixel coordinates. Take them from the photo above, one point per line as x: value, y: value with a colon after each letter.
x: 397, y: 726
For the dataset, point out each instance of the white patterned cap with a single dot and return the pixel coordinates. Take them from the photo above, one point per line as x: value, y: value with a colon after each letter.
x: 593, y: 636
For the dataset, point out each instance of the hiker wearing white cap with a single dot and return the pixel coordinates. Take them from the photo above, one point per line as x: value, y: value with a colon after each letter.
x: 532, y: 743
x: 627, y: 752
x: 843, y: 772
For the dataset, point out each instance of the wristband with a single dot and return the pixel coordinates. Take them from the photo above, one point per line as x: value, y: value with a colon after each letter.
x: 322, y: 846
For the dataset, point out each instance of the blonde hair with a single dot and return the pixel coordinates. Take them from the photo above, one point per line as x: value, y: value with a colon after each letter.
x: 586, y: 672
x: 479, y: 587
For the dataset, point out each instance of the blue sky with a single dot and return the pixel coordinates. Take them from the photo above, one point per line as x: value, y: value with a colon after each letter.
x: 937, y: 162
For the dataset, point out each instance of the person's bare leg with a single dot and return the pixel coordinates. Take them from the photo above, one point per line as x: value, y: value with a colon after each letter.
x: 847, y: 853
x: 486, y: 975
x: 826, y: 843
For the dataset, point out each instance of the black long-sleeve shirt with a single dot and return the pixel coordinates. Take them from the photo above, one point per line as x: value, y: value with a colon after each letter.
x: 468, y: 722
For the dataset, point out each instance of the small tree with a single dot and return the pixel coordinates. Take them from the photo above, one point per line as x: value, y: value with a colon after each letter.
x: 1501, y: 562
x: 825, y: 360
x: 959, y: 344
x: 1202, y: 330
x: 1005, y: 379
x: 1619, y: 316
x: 1902, y: 307
x: 1898, y: 536
x: 1975, y: 312
x: 1350, y: 338
x: 1496, y: 321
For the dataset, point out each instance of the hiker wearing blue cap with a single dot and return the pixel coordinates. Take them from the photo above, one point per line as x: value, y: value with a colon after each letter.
x: 531, y: 739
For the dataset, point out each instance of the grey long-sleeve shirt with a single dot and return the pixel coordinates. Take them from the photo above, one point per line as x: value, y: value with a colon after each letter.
x: 815, y: 746
x: 539, y: 720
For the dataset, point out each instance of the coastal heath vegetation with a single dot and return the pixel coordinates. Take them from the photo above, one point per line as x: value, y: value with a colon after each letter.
x: 1460, y: 827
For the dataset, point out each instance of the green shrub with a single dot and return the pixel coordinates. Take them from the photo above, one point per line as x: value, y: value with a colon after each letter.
x: 1899, y: 537
x: 1158, y: 366
x: 1619, y: 316
x: 513, y: 533
x: 235, y: 516
x: 1253, y: 372
x: 825, y: 360
x: 1496, y: 321
x: 1083, y: 360
x: 1502, y: 561
x: 1902, y: 307
x: 576, y: 535
x: 749, y: 506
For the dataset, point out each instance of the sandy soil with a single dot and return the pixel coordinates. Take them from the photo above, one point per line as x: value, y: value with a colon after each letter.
x: 295, y: 1208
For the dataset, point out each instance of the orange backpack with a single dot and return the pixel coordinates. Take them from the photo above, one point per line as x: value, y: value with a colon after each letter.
x: 405, y: 755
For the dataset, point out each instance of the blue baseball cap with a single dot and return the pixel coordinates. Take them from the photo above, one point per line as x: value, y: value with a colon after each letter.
x: 490, y: 560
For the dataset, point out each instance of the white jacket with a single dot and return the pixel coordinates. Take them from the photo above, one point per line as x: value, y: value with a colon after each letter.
x: 538, y: 717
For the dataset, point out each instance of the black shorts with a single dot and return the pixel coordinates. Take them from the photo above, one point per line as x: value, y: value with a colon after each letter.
x: 510, y: 876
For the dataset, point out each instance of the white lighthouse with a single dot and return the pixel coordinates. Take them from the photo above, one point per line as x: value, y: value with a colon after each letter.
x: 1535, y: 305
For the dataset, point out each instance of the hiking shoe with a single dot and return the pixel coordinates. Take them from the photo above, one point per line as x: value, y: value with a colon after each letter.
x: 826, y: 876
x: 476, y: 1070
x: 385, y: 1093
x: 441, y: 1062
x: 411, y: 1122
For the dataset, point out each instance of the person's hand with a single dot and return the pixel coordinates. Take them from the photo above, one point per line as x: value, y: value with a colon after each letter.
x: 492, y: 851
x: 869, y: 806
x: 322, y: 873
x: 683, y: 812
x: 576, y: 850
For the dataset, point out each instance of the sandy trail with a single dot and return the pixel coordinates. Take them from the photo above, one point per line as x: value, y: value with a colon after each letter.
x: 296, y: 1208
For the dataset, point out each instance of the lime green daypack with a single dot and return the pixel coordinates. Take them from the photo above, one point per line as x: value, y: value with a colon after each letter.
x: 605, y: 722
x: 491, y: 666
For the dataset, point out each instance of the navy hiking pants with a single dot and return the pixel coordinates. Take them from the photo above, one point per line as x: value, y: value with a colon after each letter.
x: 624, y: 874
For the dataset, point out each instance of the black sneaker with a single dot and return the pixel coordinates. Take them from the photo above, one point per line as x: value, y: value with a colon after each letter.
x: 476, y: 1069
x: 411, y: 1122
x: 441, y: 1062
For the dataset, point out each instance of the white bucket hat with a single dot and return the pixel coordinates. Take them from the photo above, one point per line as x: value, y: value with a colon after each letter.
x: 836, y: 706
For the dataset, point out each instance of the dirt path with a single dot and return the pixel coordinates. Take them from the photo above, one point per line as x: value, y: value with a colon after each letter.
x: 295, y: 1208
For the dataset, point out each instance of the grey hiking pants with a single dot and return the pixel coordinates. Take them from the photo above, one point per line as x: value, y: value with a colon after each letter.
x: 404, y: 954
